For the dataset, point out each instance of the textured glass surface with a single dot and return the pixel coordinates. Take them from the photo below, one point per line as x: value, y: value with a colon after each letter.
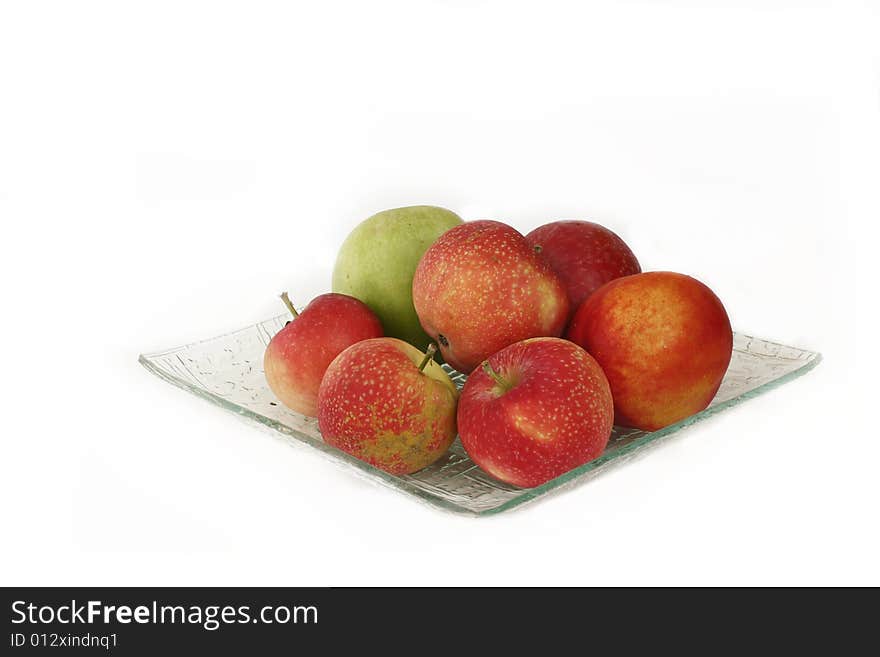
x: 228, y: 371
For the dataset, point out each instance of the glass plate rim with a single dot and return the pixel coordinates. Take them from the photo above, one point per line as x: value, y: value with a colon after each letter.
x: 528, y: 494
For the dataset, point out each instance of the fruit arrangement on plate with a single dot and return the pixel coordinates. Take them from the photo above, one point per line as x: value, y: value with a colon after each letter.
x: 560, y: 332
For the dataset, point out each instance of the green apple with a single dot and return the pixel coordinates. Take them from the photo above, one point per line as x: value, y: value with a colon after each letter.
x: 378, y: 259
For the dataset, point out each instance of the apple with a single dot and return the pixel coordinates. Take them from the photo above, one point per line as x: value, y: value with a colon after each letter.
x: 585, y: 255
x: 377, y: 261
x: 297, y: 357
x: 385, y: 402
x: 664, y: 341
x: 481, y: 287
x: 535, y: 410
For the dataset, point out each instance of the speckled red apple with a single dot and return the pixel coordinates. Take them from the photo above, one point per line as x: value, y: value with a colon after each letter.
x: 481, y: 287
x: 298, y: 355
x: 585, y: 255
x: 664, y: 341
x: 385, y: 402
x: 535, y: 410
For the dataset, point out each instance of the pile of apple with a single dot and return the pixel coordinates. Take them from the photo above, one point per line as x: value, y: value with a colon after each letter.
x: 641, y: 350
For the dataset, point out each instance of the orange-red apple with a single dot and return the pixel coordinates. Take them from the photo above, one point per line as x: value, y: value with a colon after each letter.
x: 585, y: 255
x: 385, y: 402
x: 481, y: 287
x: 535, y: 410
x: 664, y: 341
x: 298, y: 355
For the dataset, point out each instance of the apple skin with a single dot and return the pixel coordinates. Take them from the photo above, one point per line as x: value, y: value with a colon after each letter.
x: 297, y: 357
x: 585, y: 255
x: 376, y: 405
x: 481, y: 287
x: 664, y: 341
x: 378, y: 258
x: 553, y: 413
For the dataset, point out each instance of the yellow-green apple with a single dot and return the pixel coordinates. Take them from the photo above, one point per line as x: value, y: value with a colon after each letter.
x: 481, y: 287
x: 298, y: 355
x: 385, y: 402
x: 664, y: 341
x: 377, y: 260
x: 585, y: 255
x: 535, y: 410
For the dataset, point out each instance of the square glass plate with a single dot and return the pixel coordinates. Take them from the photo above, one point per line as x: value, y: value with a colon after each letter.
x: 228, y: 371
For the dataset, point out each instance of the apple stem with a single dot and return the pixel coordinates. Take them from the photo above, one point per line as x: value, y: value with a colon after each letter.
x: 487, y: 368
x: 286, y: 300
x: 429, y: 354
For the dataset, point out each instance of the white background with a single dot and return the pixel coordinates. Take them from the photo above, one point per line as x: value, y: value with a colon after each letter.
x: 166, y: 168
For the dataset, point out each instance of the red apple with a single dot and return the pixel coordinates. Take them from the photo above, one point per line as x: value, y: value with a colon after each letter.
x: 298, y: 355
x: 664, y: 342
x: 481, y: 287
x: 584, y: 255
x: 535, y: 410
x: 385, y: 402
